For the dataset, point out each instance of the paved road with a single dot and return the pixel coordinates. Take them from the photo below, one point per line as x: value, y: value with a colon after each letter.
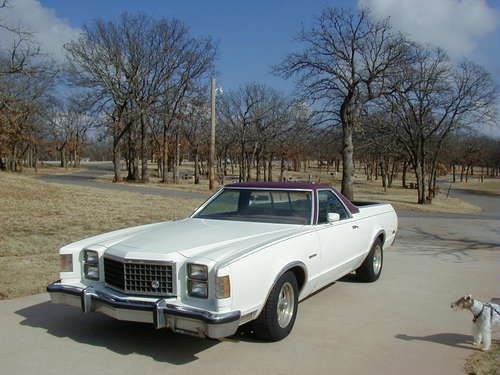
x: 401, y: 324
x: 89, y: 178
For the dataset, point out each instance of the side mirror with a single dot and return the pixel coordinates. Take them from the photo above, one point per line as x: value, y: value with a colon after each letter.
x: 332, y: 217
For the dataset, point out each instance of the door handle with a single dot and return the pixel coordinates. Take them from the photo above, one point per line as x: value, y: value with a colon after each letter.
x: 355, y: 227
x: 313, y: 255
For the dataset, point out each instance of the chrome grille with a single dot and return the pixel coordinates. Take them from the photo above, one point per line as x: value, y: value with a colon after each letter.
x: 140, y: 277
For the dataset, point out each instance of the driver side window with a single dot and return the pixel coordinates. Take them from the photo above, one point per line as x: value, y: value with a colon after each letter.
x: 329, y: 203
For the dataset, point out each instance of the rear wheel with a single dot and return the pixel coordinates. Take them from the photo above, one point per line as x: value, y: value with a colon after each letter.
x: 278, y: 315
x: 371, y: 268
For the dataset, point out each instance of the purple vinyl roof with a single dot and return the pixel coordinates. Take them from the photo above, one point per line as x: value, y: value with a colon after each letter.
x: 278, y: 185
x: 294, y: 185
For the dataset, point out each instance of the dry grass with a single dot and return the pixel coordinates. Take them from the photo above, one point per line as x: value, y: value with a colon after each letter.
x: 406, y: 199
x: 37, y: 218
x: 50, y: 169
x: 484, y: 363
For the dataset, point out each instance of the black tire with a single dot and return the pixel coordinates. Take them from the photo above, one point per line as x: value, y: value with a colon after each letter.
x: 369, y: 271
x: 267, y: 325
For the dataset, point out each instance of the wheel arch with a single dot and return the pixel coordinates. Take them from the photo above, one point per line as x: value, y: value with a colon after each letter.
x: 379, y: 235
x: 298, y: 268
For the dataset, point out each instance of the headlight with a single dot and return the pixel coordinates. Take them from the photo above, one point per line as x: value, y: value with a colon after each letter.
x: 91, y: 272
x: 91, y: 257
x: 198, y: 288
x: 91, y: 264
x: 223, y: 287
x: 66, y: 262
x: 197, y: 271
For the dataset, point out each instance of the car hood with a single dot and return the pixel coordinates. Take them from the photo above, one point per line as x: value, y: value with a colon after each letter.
x: 213, y: 239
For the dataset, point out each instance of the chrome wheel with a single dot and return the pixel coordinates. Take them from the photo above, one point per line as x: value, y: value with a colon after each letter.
x: 286, y: 305
x: 377, y: 260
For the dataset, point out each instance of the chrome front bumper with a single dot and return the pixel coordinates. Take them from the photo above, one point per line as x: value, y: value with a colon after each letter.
x: 181, y: 319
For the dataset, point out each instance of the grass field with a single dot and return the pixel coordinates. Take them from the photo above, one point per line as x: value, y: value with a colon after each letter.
x: 37, y: 218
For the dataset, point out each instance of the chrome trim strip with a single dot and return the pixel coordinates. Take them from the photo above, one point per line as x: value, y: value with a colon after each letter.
x: 138, y: 261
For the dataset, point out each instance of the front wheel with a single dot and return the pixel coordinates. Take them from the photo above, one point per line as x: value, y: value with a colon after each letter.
x: 278, y: 315
x: 371, y: 268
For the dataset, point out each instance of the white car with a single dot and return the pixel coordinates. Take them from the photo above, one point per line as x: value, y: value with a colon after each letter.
x: 248, y: 254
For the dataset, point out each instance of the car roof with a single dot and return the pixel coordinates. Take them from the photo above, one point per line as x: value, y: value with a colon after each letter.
x: 278, y: 185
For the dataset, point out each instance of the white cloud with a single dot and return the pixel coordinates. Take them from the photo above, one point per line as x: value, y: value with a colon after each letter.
x: 454, y: 25
x: 48, y: 30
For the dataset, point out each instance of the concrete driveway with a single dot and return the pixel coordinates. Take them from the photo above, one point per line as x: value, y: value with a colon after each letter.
x: 401, y: 324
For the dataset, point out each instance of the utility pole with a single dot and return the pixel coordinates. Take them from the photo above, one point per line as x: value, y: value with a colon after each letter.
x: 211, y: 160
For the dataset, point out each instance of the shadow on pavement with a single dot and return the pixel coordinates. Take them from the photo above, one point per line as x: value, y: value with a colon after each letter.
x: 455, y: 340
x: 119, y: 336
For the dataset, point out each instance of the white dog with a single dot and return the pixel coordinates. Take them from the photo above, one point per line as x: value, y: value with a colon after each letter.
x: 486, y: 315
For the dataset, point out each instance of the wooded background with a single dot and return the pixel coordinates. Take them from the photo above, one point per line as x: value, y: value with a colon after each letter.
x: 135, y: 91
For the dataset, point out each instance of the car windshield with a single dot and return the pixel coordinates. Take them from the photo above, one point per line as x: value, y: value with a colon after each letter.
x: 260, y: 205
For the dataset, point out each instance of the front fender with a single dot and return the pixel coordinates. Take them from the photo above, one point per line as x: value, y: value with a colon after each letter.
x: 253, y: 277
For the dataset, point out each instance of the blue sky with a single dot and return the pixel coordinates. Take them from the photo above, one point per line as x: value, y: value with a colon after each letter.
x: 254, y: 35
x: 251, y: 35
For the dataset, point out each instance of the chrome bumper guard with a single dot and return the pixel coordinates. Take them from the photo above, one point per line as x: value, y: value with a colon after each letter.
x: 214, y: 325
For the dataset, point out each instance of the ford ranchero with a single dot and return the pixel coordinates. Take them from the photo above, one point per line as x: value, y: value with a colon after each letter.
x: 248, y: 255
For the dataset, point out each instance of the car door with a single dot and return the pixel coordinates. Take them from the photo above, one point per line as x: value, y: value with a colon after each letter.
x: 340, y: 242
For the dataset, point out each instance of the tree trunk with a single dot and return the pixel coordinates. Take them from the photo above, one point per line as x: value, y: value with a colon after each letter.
x: 144, y: 157
x: 282, y: 168
x: 175, y: 174
x: 116, y: 162
x: 270, y: 168
x: 196, y: 167
x: 392, y: 174
x: 403, y: 177
x: 257, y: 166
x: 62, y: 155
x: 383, y: 174
x: 347, y: 162
x: 420, y: 176
x: 454, y: 169
x: 164, y: 160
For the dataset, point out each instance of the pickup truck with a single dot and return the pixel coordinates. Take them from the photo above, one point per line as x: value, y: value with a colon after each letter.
x: 249, y: 254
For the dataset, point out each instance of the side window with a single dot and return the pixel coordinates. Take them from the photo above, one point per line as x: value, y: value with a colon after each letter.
x: 329, y: 203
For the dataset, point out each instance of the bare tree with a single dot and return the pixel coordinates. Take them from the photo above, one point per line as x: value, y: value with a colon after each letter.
x: 346, y: 63
x: 253, y: 120
x: 433, y: 99
x: 22, y: 99
x: 138, y: 67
